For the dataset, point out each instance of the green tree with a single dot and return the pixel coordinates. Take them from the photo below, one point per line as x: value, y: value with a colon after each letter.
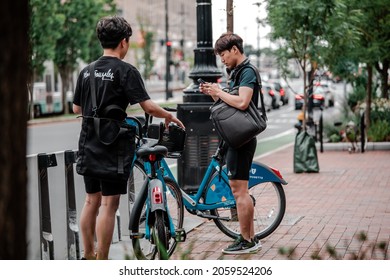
x: 95, y: 50
x: 366, y: 41
x: 146, y: 44
x: 374, y: 43
x: 299, y: 27
x: 45, y: 29
x: 77, y: 32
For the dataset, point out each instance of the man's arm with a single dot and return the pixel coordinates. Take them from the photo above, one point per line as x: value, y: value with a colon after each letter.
x: 156, y: 111
x: 77, y: 109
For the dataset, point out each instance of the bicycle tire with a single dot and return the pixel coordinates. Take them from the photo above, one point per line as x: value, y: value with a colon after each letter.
x: 144, y: 249
x: 136, y: 180
x: 160, y: 232
x: 270, y: 205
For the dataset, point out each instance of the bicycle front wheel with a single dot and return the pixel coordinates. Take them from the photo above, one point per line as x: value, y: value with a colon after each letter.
x: 146, y: 249
x: 269, y: 207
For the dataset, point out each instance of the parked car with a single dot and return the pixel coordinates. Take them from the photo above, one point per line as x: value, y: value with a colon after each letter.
x: 324, y: 89
x: 267, y: 101
x: 281, y: 87
x: 318, y: 100
x: 269, y: 90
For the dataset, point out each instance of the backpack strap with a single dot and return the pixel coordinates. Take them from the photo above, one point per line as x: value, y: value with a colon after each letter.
x: 258, y: 78
x: 93, y: 90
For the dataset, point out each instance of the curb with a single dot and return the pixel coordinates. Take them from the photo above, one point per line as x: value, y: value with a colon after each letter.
x: 370, y: 146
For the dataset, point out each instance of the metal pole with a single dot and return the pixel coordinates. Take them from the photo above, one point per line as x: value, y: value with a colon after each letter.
x: 73, y: 241
x: 168, y: 92
x: 47, y: 242
x: 258, y: 4
x: 229, y: 16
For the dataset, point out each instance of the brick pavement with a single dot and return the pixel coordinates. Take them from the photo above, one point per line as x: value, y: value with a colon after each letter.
x: 350, y: 194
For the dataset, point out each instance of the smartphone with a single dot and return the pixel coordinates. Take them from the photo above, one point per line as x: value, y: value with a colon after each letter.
x: 201, y: 81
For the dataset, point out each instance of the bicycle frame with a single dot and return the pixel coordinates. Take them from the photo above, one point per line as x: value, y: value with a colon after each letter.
x: 156, y: 199
x: 213, y: 193
x: 222, y: 196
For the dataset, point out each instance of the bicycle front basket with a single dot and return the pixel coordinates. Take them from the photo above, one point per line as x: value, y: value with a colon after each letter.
x: 174, y: 139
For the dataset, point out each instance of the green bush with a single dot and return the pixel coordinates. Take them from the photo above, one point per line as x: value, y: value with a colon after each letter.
x: 379, y: 131
x: 357, y: 96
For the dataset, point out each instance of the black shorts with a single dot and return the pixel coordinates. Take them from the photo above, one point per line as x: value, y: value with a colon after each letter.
x: 239, y: 161
x: 93, y: 185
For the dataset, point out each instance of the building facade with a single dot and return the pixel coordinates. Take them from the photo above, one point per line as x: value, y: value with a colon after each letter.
x: 152, y: 16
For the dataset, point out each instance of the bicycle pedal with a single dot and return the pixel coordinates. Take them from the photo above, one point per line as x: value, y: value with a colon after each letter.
x: 181, y: 235
x: 137, y: 235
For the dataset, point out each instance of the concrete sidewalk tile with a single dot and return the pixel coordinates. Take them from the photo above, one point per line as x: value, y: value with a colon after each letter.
x: 350, y: 194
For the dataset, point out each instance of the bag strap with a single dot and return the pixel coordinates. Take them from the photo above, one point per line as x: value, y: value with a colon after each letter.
x: 93, y: 90
x: 96, y: 120
x: 258, y: 78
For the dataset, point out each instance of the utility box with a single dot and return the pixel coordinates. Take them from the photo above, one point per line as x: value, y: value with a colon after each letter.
x: 201, y: 143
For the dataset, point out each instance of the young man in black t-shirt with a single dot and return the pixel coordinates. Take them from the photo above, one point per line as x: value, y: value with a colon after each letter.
x: 119, y: 83
x: 229, y: 47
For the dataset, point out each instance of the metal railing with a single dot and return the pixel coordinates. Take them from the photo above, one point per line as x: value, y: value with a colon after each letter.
x: 55, y: 194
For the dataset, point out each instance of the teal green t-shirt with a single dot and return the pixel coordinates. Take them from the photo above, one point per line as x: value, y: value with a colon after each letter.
x: 247, y: 78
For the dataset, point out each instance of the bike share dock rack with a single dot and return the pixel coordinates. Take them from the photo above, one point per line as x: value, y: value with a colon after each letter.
x: 55, y: 197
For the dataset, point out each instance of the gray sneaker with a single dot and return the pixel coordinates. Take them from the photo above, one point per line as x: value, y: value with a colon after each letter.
x: 242, y: 246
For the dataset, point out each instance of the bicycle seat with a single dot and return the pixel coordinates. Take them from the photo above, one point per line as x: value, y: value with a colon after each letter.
x: 144, y: 151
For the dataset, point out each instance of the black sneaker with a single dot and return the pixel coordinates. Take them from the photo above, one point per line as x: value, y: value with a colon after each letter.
x: 242, y: 246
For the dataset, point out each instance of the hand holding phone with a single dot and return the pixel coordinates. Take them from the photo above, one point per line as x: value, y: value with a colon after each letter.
x: 201, y: 81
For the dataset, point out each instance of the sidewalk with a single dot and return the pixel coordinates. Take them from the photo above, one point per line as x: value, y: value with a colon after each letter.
x: 350, y: 194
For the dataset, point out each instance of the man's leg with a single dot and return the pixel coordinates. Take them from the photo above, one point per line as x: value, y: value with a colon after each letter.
x: 105, y: 225
x: 88, y: 223
x: 245, y: 208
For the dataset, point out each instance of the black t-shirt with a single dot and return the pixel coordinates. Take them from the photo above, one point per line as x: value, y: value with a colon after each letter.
x: 117, y: 82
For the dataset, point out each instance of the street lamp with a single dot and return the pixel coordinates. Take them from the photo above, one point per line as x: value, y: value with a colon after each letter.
x: 202, y: 139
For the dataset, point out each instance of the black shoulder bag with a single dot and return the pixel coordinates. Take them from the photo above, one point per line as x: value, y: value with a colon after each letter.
x: 237, y: 127
x: 107, y: 143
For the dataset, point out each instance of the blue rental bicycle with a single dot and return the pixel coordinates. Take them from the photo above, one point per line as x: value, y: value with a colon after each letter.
x: 156, y: 219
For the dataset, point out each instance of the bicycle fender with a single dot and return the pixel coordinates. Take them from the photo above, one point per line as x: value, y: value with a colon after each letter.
x: 156, y: 195
x: 260, y: 173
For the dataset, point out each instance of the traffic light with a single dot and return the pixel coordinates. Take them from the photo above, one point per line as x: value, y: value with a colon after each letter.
x: 169, y: 43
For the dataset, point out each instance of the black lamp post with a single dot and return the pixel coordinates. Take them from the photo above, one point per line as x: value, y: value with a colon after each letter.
x: 202, y: 139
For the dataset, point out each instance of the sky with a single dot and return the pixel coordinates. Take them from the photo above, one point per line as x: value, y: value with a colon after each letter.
x: 245, y: 24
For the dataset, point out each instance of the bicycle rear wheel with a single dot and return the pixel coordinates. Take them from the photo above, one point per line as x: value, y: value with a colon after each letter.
x: 160, y: 233
x: 146, y: 249
x: 269, y: 207
x: 134, y: 184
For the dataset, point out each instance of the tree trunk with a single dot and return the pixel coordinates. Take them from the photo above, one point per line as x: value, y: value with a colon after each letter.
x: 14, y: 57
x: 65, y: 74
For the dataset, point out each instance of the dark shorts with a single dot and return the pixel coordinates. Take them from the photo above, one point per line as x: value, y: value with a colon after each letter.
x: 107, y: 188
x: 239, y: 161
